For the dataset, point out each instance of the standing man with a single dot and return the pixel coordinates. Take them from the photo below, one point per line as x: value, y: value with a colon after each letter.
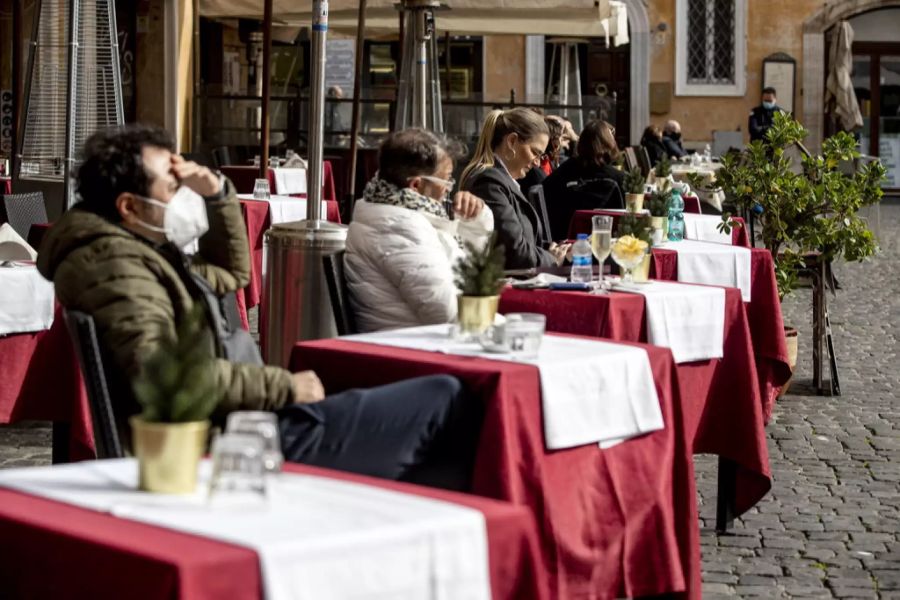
x: 762, y: 117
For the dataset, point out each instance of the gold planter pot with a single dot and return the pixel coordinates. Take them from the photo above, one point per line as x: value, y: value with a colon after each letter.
x: 476, y: 313
x: 791, y: 338
x: 634, y: 202
x: 661, y: 223
x: 642, y: 271
x: 168, y: 454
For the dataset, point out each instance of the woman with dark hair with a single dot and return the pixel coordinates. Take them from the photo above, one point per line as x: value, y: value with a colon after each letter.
x: 587, y: 181
x: 512, y: 142
x: 652, y: 141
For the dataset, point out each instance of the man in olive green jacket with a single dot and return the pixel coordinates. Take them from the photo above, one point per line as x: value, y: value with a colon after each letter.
x: 117, y: 256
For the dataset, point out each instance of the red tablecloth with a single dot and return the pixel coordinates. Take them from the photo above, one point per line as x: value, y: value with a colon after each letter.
x: 581, y: 223
x: 723, y: 412
x: 55, y: 550
x: 5, y: 185
x: 763, y: 314
x: 244, y: 178
x: 615, y: 522
x: 40, y: 380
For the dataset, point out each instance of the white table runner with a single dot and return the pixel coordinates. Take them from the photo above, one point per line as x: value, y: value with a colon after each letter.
x: 688, y: 319
x: 713, y: 264
x: 591, y: 391
x: 316, y: 537
x: 26, y: 300
x: 290, y: 180
x: 705, y: 228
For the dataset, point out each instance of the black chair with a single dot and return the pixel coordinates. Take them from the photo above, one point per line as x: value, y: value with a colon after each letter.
x: 22, y: 211
x: 537, y: 200
x: 643, y: 159
x: 338, y: 293
x: 221, y: 157
x: 631, y: 161
x: 84, y: 338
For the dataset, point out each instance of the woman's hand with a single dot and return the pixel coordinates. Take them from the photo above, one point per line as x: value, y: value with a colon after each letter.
x: 560, y: 252
x: 466, y: 205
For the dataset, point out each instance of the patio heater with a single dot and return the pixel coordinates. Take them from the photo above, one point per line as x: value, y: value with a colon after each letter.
x: 73, y: 88
x: 564, y: 83
x: 296, y: 303
x: 419, y: 89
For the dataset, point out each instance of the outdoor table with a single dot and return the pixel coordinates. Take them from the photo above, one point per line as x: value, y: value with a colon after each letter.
x: 582, y: 223
x: 723, y: 411
x: 615, y: 522
x: 52, y: 549
x: 244, y: 178
x: 259, y: 218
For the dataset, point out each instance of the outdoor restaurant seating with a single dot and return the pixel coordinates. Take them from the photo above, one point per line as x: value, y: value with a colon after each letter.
x: 22, y: 211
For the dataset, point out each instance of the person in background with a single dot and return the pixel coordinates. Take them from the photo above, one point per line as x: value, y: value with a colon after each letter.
x: 512, y: 142
x: 403, y: 241
x: 762, y: 117
x: 588, y: 181
x: 550, y: 158
x: 116, y: 255
x: 569, y: 139
x: 672, y: 140
x: 652, y: 141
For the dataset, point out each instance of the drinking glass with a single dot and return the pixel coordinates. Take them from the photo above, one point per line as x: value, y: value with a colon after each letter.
x: 628, y: 263
x: 601, y: 239
x: 263, y: 424
x: 520, y: 335
x: 261, y: 189
x: 238, y: 471
x: 274, y: 162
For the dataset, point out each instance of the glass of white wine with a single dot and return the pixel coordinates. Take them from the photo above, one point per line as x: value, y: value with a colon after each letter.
x: 601, y: 239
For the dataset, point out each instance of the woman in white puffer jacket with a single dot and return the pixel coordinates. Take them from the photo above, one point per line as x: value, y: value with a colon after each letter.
x: 403, y: 244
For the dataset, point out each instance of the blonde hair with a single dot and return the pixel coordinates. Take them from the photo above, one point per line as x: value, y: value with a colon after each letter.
x: 498, y: 124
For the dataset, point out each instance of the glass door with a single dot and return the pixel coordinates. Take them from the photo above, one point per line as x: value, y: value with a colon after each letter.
x: 876, y: 80
x: 889, y: 118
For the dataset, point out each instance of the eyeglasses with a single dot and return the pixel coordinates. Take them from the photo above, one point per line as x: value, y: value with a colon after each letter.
x: 447, y: 183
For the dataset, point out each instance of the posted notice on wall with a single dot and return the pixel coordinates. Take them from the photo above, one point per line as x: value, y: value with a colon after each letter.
x: 339, y: 64
x: 889, y: 152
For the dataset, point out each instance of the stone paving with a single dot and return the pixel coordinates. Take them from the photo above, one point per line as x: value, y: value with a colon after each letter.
x: 830, y: 527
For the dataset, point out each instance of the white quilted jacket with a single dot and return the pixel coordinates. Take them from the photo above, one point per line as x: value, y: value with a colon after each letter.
x: 399, y: 264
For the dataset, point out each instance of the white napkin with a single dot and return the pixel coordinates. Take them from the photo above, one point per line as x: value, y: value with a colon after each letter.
x: 316, y: 537
x: 688, y: 319
x: 713, y: 264
x: 705, y: 228
x: 26, y: 300
x: 290, y: 181
x: 13, y: 247
x: 591, y: 391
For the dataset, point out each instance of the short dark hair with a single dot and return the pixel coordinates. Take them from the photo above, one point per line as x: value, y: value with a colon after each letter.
x: 414, y: 152
x: 112, y: 163
x: 768, y: 90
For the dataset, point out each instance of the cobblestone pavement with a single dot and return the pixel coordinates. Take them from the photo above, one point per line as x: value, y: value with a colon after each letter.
x: 830, y: 527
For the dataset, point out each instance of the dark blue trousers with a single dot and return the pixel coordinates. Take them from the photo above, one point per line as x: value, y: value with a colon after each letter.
x: 422, y: 430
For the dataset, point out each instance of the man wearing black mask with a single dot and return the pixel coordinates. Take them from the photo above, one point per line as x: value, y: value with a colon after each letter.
x: 672, y: 140
x: 762, y: 117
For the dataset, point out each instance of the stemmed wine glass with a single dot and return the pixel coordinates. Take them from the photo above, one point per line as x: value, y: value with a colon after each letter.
x: 601, y: 240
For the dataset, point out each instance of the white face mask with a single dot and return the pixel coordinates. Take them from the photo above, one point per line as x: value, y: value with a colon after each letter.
x: 185, y: 219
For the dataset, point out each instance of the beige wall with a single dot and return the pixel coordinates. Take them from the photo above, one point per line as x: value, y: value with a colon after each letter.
x: 772, y: 26
x: 504, y: 66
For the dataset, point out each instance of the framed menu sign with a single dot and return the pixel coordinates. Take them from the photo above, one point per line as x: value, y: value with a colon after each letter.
x: 780, y: 72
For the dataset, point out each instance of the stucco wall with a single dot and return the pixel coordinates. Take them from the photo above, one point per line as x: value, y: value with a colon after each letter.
x: 772, y: 26
x: 504, y: 66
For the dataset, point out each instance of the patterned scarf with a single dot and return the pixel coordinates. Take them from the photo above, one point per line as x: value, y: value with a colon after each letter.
x: 380, y: 191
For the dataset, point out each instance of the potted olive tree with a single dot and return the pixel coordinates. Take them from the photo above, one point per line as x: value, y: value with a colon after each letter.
x: 810, y: 207
x: 479, y: 279
x: 177, y: 390
x: 634, y: 190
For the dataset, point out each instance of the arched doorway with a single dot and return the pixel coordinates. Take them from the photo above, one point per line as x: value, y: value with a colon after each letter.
x: 814, y: 58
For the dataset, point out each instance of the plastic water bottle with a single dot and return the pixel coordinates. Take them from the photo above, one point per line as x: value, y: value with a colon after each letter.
x: 676, y: 216
x: 582, y: 271
x: 707, y: 154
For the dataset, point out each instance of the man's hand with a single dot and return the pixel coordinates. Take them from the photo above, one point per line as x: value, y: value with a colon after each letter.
x: 198, y: 178
x: 466, y: 205
x: 307, y: 388
x: 560, y: 252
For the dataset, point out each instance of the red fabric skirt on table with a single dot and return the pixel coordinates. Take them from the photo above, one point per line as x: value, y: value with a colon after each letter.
x: 614, y: 522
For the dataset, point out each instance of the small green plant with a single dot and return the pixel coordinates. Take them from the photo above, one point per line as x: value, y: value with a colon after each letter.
x: 635, y: 225
x: 696, y: 181
x: 177, y: 384
x: 634, y: 181
x: 659, y: 203
x: 663, y: 168
x: 480, y: 271
x: 810, y: 208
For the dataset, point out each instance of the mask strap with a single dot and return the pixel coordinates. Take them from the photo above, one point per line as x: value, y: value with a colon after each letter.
x: 145, y: 224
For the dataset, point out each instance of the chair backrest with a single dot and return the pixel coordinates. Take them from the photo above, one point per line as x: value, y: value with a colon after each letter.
x: 84, y: 338
x: 537, y: 200
x: 631, y: 161
x: 643, y: 159
x: 338, y: 293
x: 22, y: 211
x: 221, y: 156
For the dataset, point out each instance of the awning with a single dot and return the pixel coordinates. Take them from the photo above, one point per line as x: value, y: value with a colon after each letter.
x: 840, y: 97
x: 576, y: 18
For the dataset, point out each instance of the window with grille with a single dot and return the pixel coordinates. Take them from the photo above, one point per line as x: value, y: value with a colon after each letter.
x: 710, y: 47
